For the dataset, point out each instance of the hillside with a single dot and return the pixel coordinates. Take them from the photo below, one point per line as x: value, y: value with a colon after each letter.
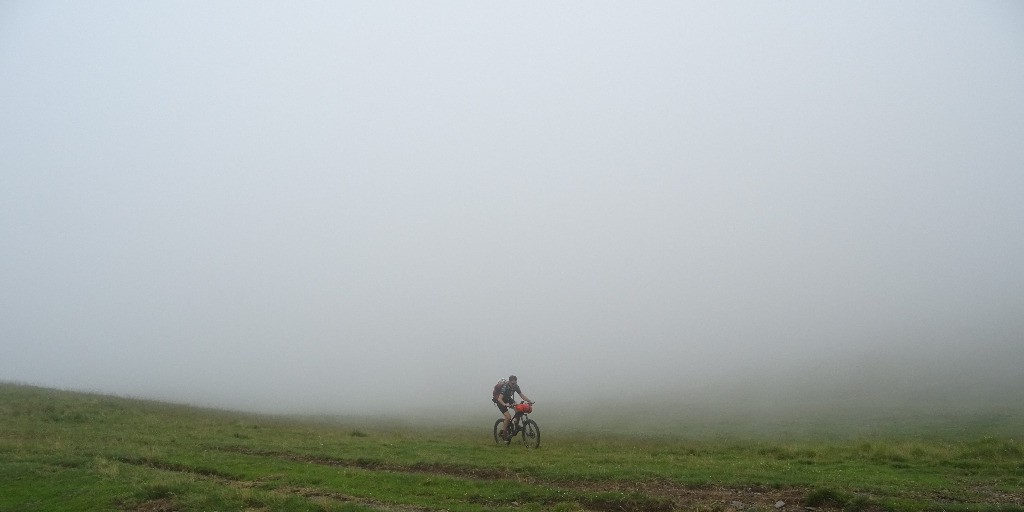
x: 61, y: 450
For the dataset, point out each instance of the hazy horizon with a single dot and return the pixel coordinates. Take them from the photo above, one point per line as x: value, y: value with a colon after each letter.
x: 348, y: 207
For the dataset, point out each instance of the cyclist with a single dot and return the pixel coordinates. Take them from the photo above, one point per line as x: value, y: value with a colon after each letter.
x: 503, y: 398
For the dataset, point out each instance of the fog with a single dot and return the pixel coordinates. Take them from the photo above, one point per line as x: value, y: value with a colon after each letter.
x: 351, y: 207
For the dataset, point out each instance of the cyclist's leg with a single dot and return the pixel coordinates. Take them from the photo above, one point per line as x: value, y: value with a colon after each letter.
x: 507, y: 416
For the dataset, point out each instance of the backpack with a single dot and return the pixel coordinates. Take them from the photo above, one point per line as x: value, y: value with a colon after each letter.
x: 498, y: 388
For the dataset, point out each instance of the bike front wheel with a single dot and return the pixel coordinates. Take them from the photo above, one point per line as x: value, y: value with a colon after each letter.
x: 531, y: 434
x: 497, y: 432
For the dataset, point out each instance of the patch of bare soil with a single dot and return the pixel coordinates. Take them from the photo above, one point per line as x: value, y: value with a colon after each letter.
x: 708, y: 498
x: 310, y: 492
x: 159, y: 505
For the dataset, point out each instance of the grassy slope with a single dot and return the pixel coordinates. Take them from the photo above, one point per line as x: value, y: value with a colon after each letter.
x: 69, y: 451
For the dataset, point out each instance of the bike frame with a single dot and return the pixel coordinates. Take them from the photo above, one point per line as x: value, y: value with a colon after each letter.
x: 517, y: 421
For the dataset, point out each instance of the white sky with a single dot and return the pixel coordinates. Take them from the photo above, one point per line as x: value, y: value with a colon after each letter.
x: 357, y: 205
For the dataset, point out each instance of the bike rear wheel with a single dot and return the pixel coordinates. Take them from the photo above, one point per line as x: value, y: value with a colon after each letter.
x: 497, y: 432
x: 531, y: 434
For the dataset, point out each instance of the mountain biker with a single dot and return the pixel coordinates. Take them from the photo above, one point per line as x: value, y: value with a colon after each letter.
x: 503, y: 398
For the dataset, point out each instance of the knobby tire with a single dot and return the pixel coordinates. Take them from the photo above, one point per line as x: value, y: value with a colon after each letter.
x: 497, y: 430
x: 531, y: 434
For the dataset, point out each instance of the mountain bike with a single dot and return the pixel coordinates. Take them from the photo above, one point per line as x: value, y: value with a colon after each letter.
x: 520, y: 424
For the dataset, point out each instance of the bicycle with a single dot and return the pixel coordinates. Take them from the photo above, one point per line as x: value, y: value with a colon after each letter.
x: 520, y: 424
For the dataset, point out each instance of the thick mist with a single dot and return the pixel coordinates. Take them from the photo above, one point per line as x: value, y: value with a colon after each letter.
x: 362, y: 208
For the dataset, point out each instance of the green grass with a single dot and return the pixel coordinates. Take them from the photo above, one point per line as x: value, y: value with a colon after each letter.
x: 71, y: 451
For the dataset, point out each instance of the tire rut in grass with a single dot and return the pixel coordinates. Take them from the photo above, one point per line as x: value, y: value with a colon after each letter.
x: 436, y: 468
x: 653, y: 495
x: 166, y: 505
x: 175, y: 467
x: 598, y: 496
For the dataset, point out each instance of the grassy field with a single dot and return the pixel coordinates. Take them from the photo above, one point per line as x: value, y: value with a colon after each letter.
x: 71, y: 451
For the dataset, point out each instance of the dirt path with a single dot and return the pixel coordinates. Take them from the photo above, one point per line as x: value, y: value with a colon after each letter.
x: 663, y: 495
x: 675, y: 495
